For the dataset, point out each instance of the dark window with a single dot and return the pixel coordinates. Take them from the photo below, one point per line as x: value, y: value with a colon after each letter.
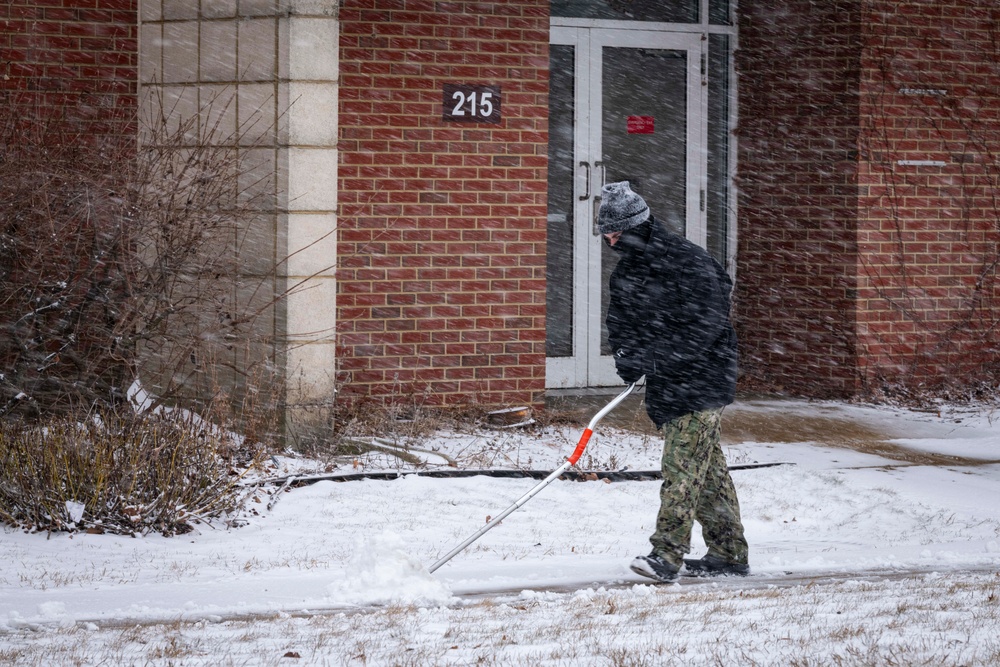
x: 668, y: 11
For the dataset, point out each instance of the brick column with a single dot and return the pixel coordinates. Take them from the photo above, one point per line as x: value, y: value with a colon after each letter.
x: 929, y: 228
x: 442, y: 225
x: 796, y: 260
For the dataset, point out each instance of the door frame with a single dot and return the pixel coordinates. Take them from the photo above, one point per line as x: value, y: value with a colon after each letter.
x: 587, y: 367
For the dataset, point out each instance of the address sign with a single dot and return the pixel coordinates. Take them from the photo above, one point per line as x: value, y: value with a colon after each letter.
x: 465, y: 103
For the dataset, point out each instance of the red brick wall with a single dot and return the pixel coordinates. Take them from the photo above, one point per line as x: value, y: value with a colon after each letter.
x: 72, y: 64
x: 929, y: 301
x: 855, y: 272
x: 798, y: 66
x: 442, y: 225
x: 858, y: 272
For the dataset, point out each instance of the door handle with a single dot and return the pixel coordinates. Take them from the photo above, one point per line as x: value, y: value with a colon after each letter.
x: 597, y: 199
x: 586, y: 195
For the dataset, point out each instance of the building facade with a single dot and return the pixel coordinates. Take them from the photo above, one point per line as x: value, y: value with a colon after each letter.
x: 430, y: 170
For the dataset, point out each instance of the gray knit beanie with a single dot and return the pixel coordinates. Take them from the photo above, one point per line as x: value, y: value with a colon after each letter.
x: 621, y: 209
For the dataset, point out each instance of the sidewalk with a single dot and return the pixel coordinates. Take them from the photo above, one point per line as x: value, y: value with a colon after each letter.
x: 870, y: 429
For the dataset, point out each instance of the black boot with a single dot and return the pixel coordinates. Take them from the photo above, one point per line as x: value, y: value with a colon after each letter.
x: 654, y: 567
x: 713, y: 566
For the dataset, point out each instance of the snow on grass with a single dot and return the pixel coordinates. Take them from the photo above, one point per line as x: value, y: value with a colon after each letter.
x: 336, y: 572
x: 922, y: 620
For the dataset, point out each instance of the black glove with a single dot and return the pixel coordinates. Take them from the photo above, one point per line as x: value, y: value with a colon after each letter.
x: 628, y: 366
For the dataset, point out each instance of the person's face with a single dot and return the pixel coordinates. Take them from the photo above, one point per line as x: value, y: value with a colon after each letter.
x: 613, y: 237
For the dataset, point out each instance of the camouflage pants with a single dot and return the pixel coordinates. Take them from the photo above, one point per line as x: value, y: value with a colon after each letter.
x: 697, y: 486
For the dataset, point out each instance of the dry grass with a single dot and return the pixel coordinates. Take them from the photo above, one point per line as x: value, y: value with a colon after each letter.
x: 943, y: 621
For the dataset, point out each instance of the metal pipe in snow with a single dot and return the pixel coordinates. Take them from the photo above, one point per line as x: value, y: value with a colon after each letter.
x: 574, y: 457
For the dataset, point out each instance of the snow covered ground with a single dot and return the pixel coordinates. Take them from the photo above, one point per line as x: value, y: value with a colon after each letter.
x: 857, y: 558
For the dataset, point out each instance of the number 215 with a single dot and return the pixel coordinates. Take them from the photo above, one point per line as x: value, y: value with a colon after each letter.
x: 485, y: 104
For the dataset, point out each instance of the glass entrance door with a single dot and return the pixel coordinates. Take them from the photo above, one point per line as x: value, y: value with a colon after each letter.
x: 623, y: 105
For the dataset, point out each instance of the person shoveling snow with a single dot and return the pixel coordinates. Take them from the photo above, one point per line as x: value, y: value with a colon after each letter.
x: 668, y: 320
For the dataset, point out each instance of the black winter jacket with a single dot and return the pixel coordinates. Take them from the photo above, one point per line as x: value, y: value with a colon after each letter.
x: 669, y: 306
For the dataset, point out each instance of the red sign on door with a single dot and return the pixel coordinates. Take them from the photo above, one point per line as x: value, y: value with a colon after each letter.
x: 640, y: 124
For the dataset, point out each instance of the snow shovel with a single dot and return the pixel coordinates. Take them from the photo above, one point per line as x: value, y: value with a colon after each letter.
x: 577, y: 453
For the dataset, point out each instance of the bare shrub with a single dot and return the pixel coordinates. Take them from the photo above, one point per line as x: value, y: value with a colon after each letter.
x: 62, y: 279
x: 120, y: 262
x: 199, y: 329
x: 119, y: 474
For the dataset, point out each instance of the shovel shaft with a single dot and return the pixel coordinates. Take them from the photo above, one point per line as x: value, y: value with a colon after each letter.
x: 500, y: 517
x: 554, y: 475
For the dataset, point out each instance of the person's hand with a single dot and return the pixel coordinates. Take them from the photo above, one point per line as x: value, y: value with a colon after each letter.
x: 628, y: 366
